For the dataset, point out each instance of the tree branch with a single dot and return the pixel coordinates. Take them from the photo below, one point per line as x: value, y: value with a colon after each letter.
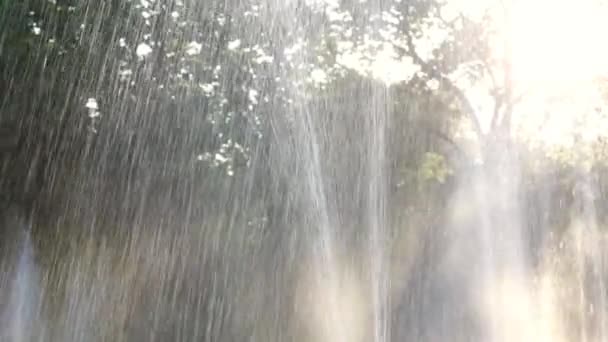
x: 505, y: 121
x: 445, y: 82
x: 442, y: 136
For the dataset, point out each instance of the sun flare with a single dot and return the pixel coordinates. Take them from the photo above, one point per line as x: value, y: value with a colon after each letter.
x: 557, y: 42
x: 557, y: 55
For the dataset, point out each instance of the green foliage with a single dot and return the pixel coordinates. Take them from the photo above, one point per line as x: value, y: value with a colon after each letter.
x: 434, y: 167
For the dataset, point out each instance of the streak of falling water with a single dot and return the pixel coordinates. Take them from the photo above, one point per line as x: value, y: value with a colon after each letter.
x: 20, y: 316
x: 307, y: 142
x: 310, y: 133
x: 377, y: 219
x: 320, y: 223
x: 310, y: 126
x: 589, y: 261
x: 502, y: 274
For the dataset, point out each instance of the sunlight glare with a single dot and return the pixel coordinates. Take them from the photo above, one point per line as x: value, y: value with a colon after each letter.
x: 556, y: 53
x: 558, y: 41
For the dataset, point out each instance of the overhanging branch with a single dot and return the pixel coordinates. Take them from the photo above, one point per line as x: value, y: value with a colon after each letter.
x: 447, y: 139
x: 444, y: 82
